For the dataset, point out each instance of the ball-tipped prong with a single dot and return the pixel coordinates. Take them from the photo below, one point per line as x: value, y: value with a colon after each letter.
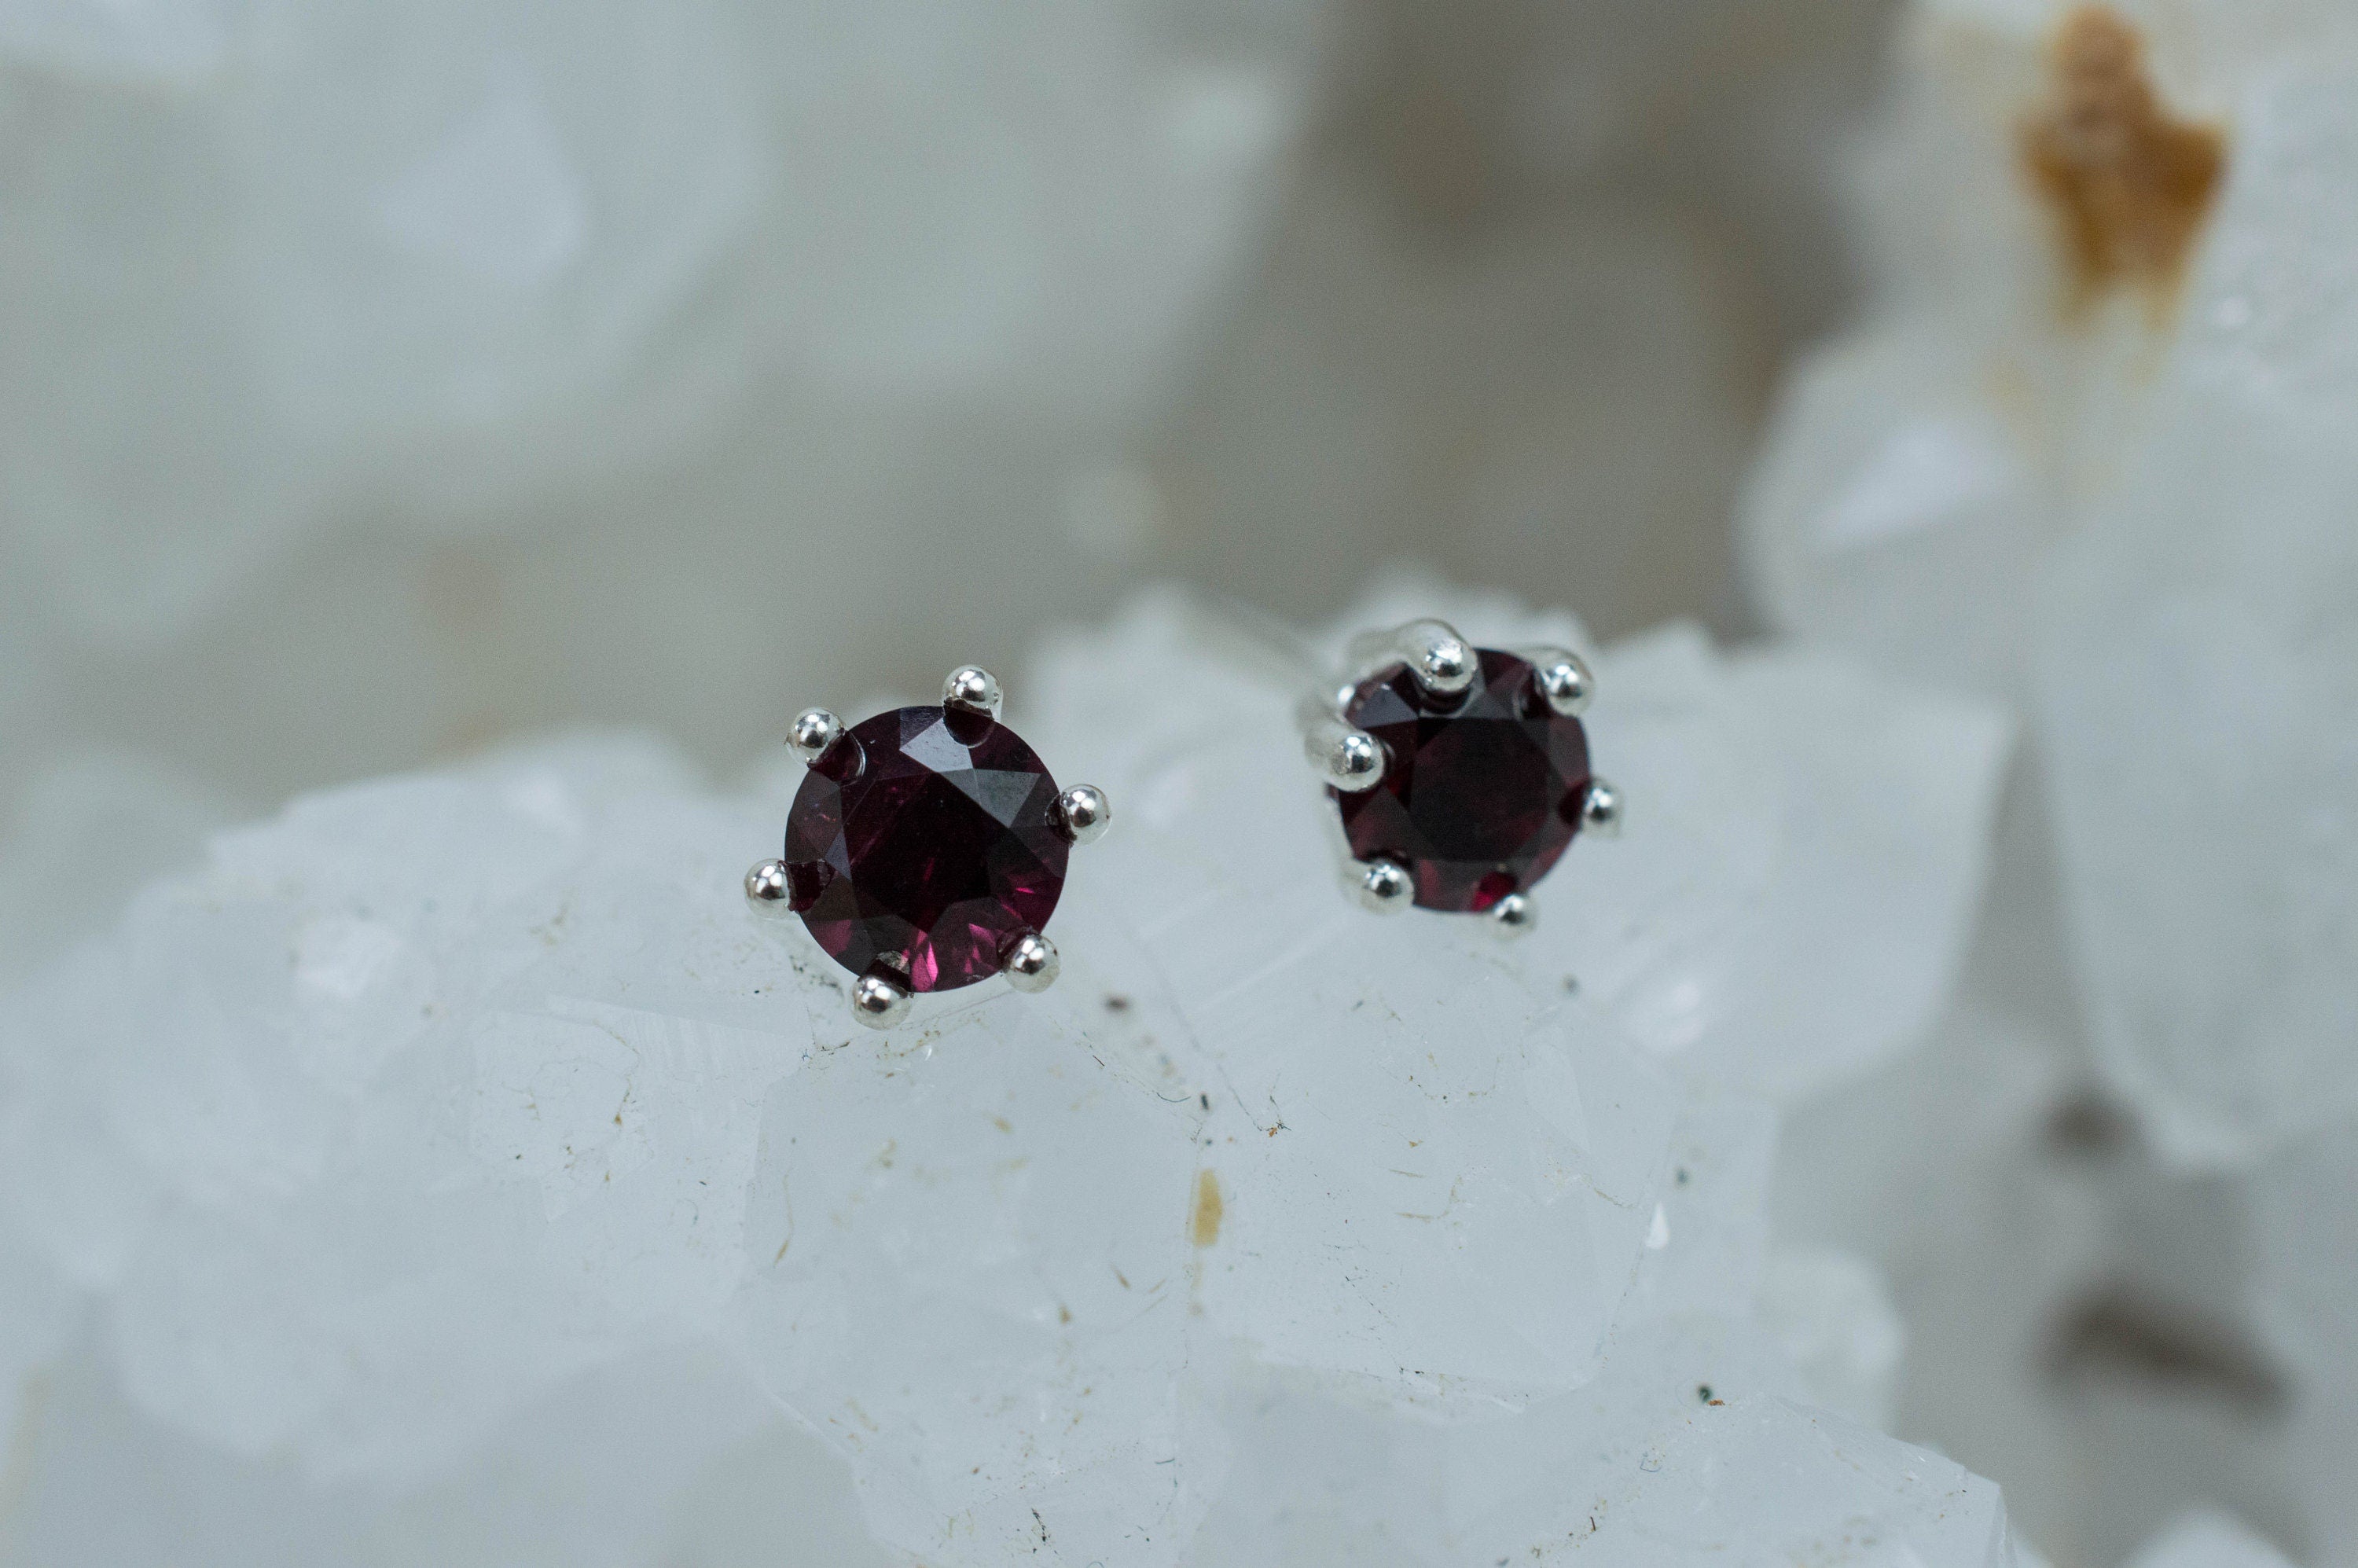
x: 766, y: 888
x: 1030, y: 964
x: 1514, y: 915
x: 1600, y: 809
x: 878, y: 1001
x: 1438, y: 659
x: 1347, y: 757
x: 1082, y: 814
x: 814, y: 729
x: 974, y: 689
x: 1384, y: 885
x: 1562, y: 679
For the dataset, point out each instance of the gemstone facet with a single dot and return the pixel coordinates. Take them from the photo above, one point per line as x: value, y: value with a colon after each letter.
x: 1481, y: 791
x: 923, y: 844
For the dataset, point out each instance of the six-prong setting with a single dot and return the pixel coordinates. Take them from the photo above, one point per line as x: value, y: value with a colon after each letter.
x: 927, y: 848
x: 1514, y: 915
x: 1562, y: 679
x: 766, y: 888
x: 1347, y: 757
x: 879, y: 1001
x: 1600, y: 809
x: 812, y: 733
x: 1460, y: 773
x: 1031, y: 963
x: 974, y: 689
x: 1083, y: 814
x: 1383, y: 885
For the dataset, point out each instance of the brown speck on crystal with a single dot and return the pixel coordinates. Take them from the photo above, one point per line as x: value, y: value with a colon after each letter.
x: 1204, y: 1220
x: 2129, y: 187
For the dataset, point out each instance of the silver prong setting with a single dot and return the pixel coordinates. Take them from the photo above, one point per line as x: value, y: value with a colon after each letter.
x: 1514, y: 915
x: 1384, y: 886
x: 1600, y: 810
x: 813, y: 730
x: 1438, y: 659
x: 766, y: 888
x: 974, y: 689
x: 1030, y: 964
x: 1082, y: 814
x: 1563, y: 680
x: 1347, y: 757
x: 879, y: 1001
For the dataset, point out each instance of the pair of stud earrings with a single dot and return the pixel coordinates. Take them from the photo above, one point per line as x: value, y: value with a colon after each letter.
x: 928, y: 846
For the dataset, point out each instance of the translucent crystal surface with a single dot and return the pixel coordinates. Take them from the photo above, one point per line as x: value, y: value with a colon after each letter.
x: 2208, y: 1539
x: 491, y: 1127
x: 2085, y: 450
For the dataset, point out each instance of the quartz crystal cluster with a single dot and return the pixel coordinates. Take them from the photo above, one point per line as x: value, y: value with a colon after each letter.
x: 453, y: 1170
x: 2085, y: 451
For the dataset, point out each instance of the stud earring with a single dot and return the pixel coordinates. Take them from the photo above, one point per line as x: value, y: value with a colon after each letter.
x: 1460, y: 773
x: 927, y: 848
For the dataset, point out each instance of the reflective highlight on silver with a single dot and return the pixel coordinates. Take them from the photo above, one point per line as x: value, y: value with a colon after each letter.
x: 878, y: 1002
x: 1032, y: 964
x: 1600, y: 809
x: 1347, y: 758
x: 1083, y: 814
x: 814, y: 729
x: 973, y: 688
x: 765, y: 888
x: 1514, y: 915
x: 1385, y: 886
x: 1562, y: 679
x: 1438, y: 659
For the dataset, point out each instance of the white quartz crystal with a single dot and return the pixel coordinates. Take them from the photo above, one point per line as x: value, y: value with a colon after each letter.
x: 459, y: 256
x: 2092, y: 456
x: 1832, y: 1313
x: 2208, y: 1539
x: 455, y: 1170
x: 2305, y: 1224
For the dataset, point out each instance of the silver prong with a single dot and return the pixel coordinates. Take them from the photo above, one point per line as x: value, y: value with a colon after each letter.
x: 1030, y: 964
x: 1600, y: 809
x: 815, y: 730
x: 973, y: 688
x: 1345, y: 755
x: 766, y: 888
x: 1385, y: 886
x: 1562, y: 679
x: 1514, y: 915
x: 879, y: 1001
x: 1438, y: 659
x: 1082, y: 814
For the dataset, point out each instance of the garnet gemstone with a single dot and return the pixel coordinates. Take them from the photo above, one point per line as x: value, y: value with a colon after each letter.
x: 1482, y: 789
x: 923, y: 842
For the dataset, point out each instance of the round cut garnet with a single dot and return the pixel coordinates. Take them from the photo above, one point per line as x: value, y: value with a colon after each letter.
x: 923, y: 843
x: 1482, y: 789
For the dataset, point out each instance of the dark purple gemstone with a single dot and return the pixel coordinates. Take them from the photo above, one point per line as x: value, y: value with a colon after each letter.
x: 922, y: 842
x: 1482, y: 790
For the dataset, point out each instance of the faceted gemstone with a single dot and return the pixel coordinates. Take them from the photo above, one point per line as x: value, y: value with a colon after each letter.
x: 1482, y: 790
x: 923, y: 842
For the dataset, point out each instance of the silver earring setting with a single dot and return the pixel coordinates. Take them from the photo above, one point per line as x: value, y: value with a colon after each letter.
x: 927, y: 848
x: 1460, y: 773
